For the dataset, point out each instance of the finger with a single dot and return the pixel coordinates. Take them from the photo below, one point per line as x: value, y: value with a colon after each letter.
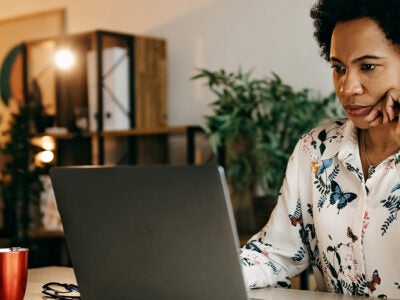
x: 393, y: 112
x: 372, y: 115
x: 377, y: 121
x: 392, y: 103
x: 386, y: 117
x: 378, y: 110
x: 390, y: 108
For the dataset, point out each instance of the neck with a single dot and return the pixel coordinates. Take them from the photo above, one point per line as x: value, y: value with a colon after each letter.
x: 378, y: 139
x: 375, y: 146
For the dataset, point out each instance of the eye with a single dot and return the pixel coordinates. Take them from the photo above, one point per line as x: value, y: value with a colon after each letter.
x: 368, y: 67
x: 338, y: 69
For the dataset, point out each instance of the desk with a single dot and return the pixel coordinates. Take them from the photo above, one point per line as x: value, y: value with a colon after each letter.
x: 38, y: 277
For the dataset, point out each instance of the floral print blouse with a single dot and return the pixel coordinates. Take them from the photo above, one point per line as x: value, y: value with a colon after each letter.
x: 329, y: 216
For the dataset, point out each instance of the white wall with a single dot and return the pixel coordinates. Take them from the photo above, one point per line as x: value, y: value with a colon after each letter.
x: 265, y: 35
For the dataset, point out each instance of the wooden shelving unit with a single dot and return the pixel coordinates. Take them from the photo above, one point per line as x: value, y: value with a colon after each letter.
x: 118, y: 84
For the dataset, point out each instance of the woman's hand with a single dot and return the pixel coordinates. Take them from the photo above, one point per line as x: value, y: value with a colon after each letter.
x: 386, y: 112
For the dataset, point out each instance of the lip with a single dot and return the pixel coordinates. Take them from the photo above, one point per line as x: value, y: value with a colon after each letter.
x: 358, y: 110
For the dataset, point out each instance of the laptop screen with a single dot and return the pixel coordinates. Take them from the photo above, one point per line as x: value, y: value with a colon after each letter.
x: 159, y: 232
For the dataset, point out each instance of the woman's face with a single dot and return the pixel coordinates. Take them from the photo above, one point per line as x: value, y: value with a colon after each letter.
x: 365, y: 66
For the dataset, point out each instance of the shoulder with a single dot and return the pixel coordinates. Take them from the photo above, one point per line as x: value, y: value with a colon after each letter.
x: 331, y: 128
x: 324, y: 141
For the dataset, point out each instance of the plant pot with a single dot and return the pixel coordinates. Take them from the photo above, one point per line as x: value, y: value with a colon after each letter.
x: 252, y: 212
x: 263, y: 207
x: 244, y: 213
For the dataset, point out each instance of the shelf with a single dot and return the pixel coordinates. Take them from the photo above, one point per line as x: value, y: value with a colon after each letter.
x: 147, y: 131
x: 121, y: 133
x: 65, y: 136
x: 44, y: 233
x: 189, y: 131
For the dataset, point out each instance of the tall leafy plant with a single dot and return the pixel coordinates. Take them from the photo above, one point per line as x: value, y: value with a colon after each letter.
x: 21, y: 186
x: 258, y: 121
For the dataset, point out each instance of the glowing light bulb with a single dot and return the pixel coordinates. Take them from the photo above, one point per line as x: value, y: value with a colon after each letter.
x: 47, y: 143
x: 46, y: 156
x: 64, y: 58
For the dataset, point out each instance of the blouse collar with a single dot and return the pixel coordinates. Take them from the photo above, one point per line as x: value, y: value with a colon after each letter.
x: 347, y: 146
x: 341, y: 141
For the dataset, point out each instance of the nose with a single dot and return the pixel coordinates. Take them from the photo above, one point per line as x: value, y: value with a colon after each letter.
x: 350, y: 84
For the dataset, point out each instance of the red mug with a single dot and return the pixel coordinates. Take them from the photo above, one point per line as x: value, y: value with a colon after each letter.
x: 13, y: 272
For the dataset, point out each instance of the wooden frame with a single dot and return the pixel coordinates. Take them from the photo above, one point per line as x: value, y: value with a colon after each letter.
x: 14, y: 31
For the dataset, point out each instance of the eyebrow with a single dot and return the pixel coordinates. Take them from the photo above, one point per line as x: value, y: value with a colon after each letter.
x: 358, y: 59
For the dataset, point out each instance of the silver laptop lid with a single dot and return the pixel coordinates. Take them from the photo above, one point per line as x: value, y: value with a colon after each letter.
x: 164, y: 232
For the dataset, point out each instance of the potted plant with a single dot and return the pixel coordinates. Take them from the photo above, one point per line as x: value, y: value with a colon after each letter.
x: 20, y: 185
x: 258, y: 121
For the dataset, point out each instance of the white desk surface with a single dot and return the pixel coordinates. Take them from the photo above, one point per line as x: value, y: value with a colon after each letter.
x: 38, y: 277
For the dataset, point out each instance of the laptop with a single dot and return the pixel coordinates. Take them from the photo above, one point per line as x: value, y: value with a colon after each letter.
x: 150, y: 232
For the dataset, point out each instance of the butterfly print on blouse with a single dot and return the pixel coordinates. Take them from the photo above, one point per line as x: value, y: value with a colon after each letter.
x: 325, y: 164
x: 340, y: 198
x: 296, y: 217
x: 376, y: 280
x: 351, y: 235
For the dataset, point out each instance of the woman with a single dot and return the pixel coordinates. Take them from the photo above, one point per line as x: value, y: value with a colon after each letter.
x: 338, y: 207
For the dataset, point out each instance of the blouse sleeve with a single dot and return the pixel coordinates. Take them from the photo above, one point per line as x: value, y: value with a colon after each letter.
x: 278, y: 251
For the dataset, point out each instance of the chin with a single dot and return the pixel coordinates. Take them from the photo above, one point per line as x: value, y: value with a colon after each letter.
x: 365, y: 125
x: 359, y: 123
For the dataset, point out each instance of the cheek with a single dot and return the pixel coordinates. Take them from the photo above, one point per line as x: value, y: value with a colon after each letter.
x: 336, y: 84
x: 388, y: 79
x: 378, y: 88
x: 394, y: 79
x: 341, y: 101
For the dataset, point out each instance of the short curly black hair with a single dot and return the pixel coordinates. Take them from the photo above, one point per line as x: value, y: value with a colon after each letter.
x: 326, y: 13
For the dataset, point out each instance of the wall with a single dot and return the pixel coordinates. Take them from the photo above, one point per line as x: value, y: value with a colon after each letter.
x: 265, y: 35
